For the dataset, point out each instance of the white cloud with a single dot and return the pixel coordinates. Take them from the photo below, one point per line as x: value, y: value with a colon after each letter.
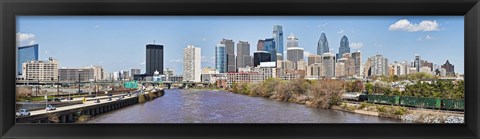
x: 142, y: 63
x: 427, y: 37
x: 46, y: 52
x: 356, y: 45
x: 25, y: 39
x: 322, y: 26
x: 341, y: 32
x: 405, y: 25
x: 179, y: 60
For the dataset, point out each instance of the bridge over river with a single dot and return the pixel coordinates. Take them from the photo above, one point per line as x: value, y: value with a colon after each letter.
x: 206, y: 106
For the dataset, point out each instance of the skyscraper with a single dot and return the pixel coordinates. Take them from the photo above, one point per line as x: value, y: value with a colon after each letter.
x: 312, y: 59
x: 418, y: 63
x: 243, y: 54
x: 220, y: 58
x: 260, y: 56
x: 133, y: 71
x: 192, y: 63
x: 269, y: 46
x: 230, y: 52
x: 357, y: 62
x: 295, y: 54
x: 328, y: 60
x: 154, y: 59
x: 344, y: 46
x: 278, y: 36
x: 450, y: 69
x: 260, y: 46
x: 378, y: 65
x: 292, y: 41
x: 322, y: 46
x: 26, y: 54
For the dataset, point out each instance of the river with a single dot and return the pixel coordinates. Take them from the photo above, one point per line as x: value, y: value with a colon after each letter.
x: 206, y: 106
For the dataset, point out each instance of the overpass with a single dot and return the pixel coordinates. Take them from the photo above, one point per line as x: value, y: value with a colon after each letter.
x: 67, y: 114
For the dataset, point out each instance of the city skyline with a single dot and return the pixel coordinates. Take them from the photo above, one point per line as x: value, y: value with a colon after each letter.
x: 118, y: 43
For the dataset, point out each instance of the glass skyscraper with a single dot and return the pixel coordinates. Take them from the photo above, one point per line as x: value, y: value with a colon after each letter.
x: 25, y: 54
x: 278, y: 36
x: 344, y: 46
x: 322, y: 46
x: 269, y: 46
x: 220, y: 58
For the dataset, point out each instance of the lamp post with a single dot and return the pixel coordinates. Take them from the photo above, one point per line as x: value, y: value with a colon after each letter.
x: 58, y: 85
x: 79, y: 82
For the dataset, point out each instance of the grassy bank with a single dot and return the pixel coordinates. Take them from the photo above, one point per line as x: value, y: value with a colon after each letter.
x: 317, y: 93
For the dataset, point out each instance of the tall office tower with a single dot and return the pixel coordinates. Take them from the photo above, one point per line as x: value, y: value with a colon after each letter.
x: 230, y: 52
x: 154, y: 59
x: 418, y: 63
x: 322, y: 46
x: 328, y: 60
x: 344, y: 46
x: 278, y: 36
x: 260, y: 56
x: 243, y: 54
x: 312, y: 59
x: 40, y: 70
x: 192, y: 59
x: 269, y: 46
x: 260, y: 45
x: 295, y: 54
x: 357, y: 62
x: 378, y: 65
x: 26, y: 54
x: 450, y: 69
x: 292, y: 41
x: 220, y: 58
x: 134, y: 71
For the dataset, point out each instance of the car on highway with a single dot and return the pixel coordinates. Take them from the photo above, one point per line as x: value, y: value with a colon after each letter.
x: 109, y: 99
x: 22, y: 112
x: 50, y: 108
x: 119, y: 98
x: 97, y: 101
x: 57, y: 100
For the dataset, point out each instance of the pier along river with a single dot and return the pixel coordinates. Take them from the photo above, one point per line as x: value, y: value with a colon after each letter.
x: 207, y: 106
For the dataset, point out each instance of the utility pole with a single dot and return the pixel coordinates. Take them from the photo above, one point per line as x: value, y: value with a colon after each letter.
x: 58, y: 85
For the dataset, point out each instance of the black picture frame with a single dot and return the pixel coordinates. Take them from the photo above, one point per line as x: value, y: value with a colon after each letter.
x: 470, y: 9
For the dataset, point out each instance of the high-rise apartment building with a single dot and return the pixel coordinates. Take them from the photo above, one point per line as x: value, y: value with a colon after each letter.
x: 312, y: 59
x: 192, y: 63
x: 295, y: 54
x: 134, y: 71
x: 378, y: 65
x: 357, y: 62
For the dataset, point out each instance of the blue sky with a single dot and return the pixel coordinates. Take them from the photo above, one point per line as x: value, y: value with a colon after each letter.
x: 118, y: 42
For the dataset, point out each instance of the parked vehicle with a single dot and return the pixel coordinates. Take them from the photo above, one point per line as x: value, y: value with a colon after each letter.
x: 119, y: 98
x: 109, y: 99
x: 57, y: 100
x: 22, y: 112
x: 97, y: 101
x: 50, y: 108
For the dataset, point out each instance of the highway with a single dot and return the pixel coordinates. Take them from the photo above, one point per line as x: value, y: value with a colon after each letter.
x: 89, y: 102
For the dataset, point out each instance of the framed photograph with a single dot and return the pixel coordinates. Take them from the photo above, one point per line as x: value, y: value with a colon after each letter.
x: 239, y: 69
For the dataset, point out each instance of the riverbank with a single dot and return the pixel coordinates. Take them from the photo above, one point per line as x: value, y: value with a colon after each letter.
x: 402, y: 113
